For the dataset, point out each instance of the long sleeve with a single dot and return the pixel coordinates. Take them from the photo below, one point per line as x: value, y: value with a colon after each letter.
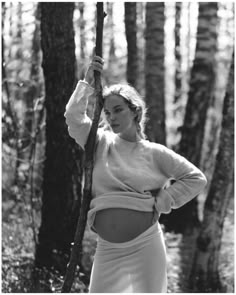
x: 78, y: 122
x: 189, y: 180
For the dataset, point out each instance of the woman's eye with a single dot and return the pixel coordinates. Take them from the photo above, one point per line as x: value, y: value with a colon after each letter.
x: 118, y: 110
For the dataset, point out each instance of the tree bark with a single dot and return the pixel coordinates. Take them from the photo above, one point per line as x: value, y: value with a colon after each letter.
x: 11, y: 29
x: 202, y: 83
x: 62, y: 168
x: 82, y: 30
x: 205, y: 275
x: 19, y: 21
x: 77, y: 250
x: 154, y: 69
x: 110, y: 27
x: 131, y: 37
x: 11, y: 127
x: 35, y: 87
x: 141, y: 7
x: 178, y: 72
x: 18, y: 92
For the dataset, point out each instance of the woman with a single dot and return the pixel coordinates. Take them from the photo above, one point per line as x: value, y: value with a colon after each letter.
x: 129, y: 178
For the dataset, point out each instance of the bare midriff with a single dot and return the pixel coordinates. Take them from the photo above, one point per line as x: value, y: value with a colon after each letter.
x: 118, y: 225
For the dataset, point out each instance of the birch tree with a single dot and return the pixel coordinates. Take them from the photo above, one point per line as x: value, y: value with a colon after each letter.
x: 202, y: 83
x: 154, y: 71
x: 205, y: 274
x: 178, y: 74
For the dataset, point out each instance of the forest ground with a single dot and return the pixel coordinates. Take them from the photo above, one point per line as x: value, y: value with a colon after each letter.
x: 18, y: 254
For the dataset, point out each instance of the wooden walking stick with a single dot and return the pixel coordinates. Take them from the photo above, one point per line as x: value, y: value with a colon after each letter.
x: 77, y: 249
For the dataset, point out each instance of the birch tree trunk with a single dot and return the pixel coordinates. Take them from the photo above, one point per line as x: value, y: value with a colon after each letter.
x: 62, y: 167
x: 154, y: 69
x: 35, y: 87
x: 81, y: 6
x: 8, y: 116
x: 20, y: 142
x: 131, y: 37
x: 141, y: 7
x: 202, y: 82
x: 11, y: 29
x: 205, y: 276
x: 178, y: 72
x: 110, y: 27
x: 19, y: 21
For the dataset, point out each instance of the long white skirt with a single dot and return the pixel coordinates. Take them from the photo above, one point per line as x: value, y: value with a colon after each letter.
x: 136, y: 266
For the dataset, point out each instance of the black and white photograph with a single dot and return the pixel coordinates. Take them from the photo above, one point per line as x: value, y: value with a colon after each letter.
x: 117, y: 147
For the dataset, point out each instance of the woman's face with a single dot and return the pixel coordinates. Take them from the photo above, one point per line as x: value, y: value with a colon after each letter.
x: 118, y: 115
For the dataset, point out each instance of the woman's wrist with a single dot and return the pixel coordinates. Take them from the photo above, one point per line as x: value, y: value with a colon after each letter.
x: 164, y: 202
x: 87, y: 78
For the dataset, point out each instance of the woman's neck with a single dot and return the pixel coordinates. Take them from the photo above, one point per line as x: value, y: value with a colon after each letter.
x: 132, y: 137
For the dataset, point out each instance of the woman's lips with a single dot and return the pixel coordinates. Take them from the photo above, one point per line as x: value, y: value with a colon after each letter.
x: 114, y: 125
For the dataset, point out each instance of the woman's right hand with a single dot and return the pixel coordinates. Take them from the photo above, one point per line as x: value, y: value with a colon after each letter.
x: 95, y: 65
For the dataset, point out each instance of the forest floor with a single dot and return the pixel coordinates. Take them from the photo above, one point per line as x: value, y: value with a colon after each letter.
x: 18, y: 255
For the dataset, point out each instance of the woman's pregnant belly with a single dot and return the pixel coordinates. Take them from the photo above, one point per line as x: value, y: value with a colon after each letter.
x: 118, y: 225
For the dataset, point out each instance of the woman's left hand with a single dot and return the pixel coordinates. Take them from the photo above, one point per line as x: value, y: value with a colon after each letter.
x: 95, y: 65
x: 155, y: 192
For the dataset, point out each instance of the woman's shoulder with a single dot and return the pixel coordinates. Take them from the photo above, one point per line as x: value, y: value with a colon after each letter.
x: 155, y: 147
x: 158, y: 151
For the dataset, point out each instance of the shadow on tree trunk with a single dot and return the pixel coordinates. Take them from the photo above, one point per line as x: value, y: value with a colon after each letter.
x: 187, y: 250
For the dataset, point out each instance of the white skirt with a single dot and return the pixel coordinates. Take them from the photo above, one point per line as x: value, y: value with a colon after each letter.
x: 136, y: 266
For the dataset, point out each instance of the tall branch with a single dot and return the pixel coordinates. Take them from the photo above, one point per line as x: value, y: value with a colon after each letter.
x: 77, y: 249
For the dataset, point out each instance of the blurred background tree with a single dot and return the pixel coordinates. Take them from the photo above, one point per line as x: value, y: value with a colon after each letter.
x: 205, y: 270
x: 201, y: 89
x: 178, y: 56
x: 178, y: 72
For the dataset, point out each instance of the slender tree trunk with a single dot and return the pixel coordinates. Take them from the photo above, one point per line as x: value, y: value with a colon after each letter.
x: 35, y: 86
x: 202, y: 83
x: 9, y: 116
x: 112, y: 46
x: 4, y: 74
x: 154, y: 69
x: 141, y: 47
x: 11, y: 134
x: 62, y: 168
x: 82, y: 30
x: 188, y: 41
x: 19, y: 21
x: 10, y: 29
x: 205, y: 275
x: 178, y: 72
x: 19, y: 56
x: 81, y: 22
x: 131, y: 37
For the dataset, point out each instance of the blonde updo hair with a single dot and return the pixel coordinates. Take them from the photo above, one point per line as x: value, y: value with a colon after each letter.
x: 134, y: 102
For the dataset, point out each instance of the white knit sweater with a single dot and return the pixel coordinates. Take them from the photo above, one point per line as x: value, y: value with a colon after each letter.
x: 126, y: 172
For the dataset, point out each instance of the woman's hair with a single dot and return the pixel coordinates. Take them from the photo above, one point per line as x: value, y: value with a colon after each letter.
x: 134, y: 101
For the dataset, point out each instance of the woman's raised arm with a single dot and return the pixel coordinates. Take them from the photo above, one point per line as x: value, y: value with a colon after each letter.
x: 78, y: 121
